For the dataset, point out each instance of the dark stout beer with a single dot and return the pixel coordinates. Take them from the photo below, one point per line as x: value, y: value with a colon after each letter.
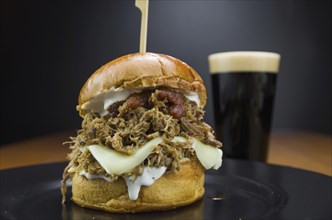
x: 243, y: 112
x: 244, y: 85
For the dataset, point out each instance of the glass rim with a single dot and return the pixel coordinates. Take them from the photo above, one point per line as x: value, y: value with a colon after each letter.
x: 244, y: 61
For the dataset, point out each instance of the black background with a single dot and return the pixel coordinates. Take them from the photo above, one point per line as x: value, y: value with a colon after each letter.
x: 50, y: 48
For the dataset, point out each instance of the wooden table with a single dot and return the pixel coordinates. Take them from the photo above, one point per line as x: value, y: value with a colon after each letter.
x: 310, y: 151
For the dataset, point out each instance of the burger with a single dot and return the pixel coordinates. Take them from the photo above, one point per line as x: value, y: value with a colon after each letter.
x: 143, y: 145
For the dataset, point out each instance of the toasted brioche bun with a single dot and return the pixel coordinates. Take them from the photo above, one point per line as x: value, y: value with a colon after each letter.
x: 172, y: 190
x: 143, y: 70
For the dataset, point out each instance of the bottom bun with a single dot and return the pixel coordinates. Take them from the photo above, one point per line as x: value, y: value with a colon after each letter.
x: 172, y: 190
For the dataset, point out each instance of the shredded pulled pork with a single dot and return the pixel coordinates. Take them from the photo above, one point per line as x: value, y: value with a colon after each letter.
x: 135, y: 121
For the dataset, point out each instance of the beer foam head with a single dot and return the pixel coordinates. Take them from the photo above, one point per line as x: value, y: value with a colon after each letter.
x: 244, y: 61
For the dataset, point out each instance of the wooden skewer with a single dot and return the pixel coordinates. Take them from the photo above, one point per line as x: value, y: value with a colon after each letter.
x: 143, y: 6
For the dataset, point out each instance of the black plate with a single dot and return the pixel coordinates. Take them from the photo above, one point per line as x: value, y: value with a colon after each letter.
x: 240, y: 190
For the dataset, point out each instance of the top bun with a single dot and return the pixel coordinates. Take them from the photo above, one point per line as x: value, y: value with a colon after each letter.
x: 143, y: 70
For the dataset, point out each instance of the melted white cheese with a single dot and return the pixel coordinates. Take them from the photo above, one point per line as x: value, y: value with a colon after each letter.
x: 118, y: 163
x: 149, y: 176
x: 100, y: 103
x: 115, y: 162
x: 210, y: 157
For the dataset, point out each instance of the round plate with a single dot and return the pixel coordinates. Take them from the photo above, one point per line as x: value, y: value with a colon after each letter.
x: 240, y: 190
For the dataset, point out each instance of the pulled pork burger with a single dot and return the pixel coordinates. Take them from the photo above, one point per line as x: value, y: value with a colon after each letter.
x: 143, y: 145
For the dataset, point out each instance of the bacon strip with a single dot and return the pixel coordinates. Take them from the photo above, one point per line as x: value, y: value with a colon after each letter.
x: 176, y: 102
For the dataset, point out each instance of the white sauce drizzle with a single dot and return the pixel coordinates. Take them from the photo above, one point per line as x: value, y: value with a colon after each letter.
x: 91, y: 177
x: 100, y: 103
x: 193, y: 96
x: 149, y: 176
